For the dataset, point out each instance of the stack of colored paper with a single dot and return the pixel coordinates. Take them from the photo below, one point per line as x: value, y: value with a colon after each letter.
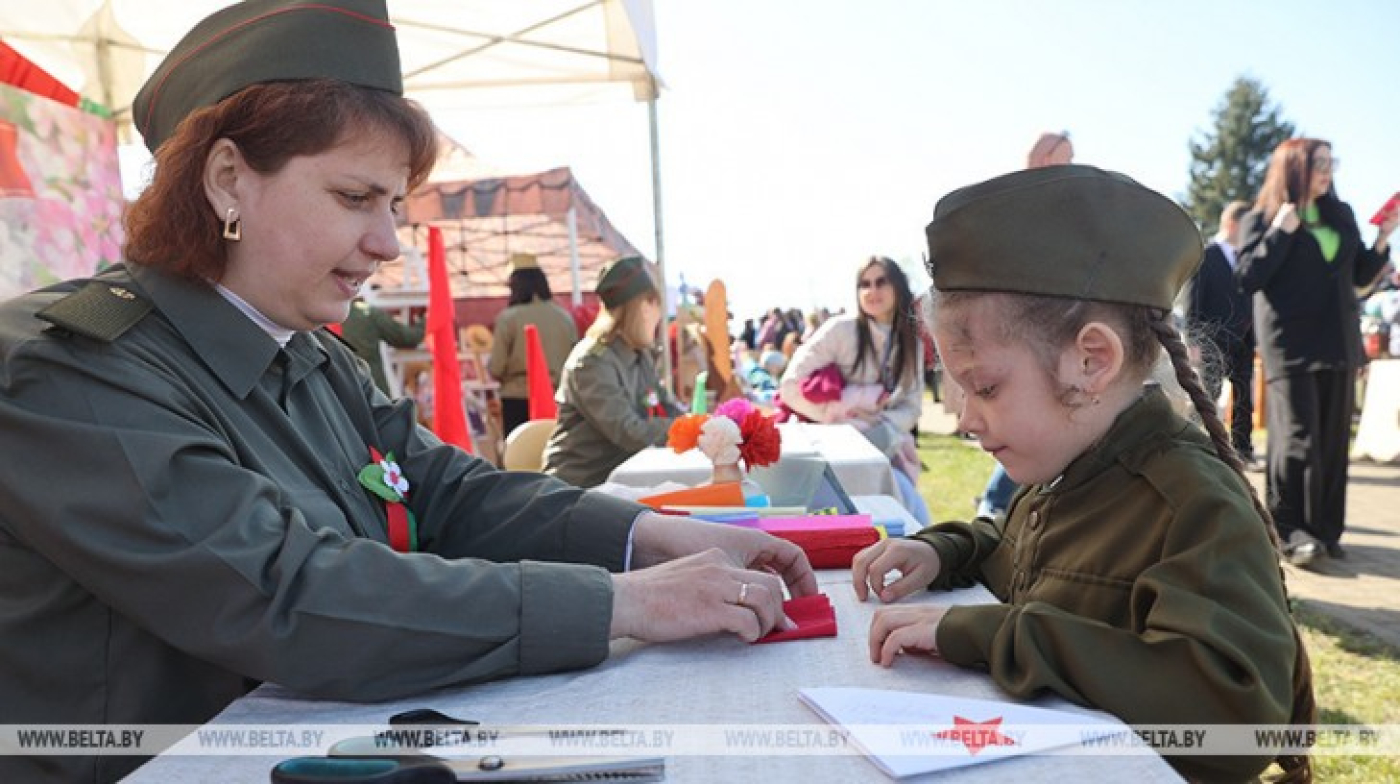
x: 830, y: 541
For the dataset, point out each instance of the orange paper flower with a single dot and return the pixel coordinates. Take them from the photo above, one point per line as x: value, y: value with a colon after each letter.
x: 684, y: 434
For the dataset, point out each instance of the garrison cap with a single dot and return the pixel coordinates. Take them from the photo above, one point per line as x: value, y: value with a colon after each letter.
x: 1064, y: 231
x: 623, y: 280
x: 268, y: 41
x: 523, y: 261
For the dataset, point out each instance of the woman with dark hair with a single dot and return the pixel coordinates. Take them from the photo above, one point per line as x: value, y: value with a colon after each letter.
x: 880, y: 359
x: 1302, y: 257
x: 208, y: 490
x: 531, y: 302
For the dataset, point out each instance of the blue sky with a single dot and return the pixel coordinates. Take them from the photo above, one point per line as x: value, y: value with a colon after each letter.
x: 799, y: 136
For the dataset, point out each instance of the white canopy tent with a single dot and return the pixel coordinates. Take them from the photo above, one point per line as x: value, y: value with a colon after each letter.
x: 455, y: 53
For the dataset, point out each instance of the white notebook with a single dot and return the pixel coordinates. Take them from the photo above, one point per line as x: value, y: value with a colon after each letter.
x: 911, y: 733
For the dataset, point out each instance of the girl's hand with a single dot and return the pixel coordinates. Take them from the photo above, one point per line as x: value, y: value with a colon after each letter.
x: 916, y: 561
x: 895, y: 630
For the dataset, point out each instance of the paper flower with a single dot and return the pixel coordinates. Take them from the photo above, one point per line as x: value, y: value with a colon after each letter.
x: 684, y: 434
x: 393, y: 476
x: 385, y: 479
x: 762, y: 443
x: 736, y: 409
x: 719, y: 440
x: 737, y: 430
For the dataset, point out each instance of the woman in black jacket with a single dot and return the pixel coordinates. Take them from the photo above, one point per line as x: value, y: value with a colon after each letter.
x: 1302, y: 257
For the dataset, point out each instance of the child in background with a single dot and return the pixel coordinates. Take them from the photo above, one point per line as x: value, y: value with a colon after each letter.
x: 1138, y: 571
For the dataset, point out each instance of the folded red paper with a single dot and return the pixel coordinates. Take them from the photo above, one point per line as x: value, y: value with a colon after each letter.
x: 813, y: 615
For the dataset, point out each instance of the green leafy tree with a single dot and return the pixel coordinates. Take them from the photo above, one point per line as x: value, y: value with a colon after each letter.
x: 1228, y: 162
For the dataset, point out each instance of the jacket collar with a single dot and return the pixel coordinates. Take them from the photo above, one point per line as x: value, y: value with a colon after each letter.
x: 235, y: 349
x: 1143, y: 428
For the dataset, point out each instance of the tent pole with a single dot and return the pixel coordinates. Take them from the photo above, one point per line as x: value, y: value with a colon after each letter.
x: 571, y: 220
x: 660, y: 245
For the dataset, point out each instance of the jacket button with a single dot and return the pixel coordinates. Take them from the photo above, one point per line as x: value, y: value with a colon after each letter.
x: 1035, y: 520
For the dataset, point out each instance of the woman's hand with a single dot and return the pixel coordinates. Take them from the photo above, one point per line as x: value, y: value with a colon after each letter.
x: 696, y: 595
x: 1287, y: 218
x: 895, y: 630
x: 916, y: 561
x: 659, y: 538
x: 1387, y: 227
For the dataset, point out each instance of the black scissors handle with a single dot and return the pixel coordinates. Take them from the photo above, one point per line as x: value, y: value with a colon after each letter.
x: 344, y: 770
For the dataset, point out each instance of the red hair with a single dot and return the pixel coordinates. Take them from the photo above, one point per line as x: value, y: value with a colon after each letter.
x: 171, y: 226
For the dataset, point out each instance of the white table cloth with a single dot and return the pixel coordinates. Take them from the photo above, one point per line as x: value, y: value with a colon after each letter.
x: 1378, y: 434
x: 858, y: 465
x: 713, y: 681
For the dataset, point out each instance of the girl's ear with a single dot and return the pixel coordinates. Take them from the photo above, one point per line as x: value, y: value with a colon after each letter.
x: 223, y: 167
x: 1099, y: 355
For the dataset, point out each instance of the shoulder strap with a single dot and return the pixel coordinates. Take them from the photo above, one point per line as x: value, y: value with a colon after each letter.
x: 100, y: 310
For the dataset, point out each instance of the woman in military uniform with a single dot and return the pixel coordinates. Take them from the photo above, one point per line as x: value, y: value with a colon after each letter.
x: 204, y: 491
x: 611, y: 401
x: 531, y: 303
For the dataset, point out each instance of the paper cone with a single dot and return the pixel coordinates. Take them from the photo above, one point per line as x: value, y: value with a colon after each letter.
x: 449, y: 416
x: 717, y: 336
x: 542, y: 405
x: 698, y: 402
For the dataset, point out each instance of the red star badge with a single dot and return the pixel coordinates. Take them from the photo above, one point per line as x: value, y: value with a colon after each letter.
x: 976, y: 735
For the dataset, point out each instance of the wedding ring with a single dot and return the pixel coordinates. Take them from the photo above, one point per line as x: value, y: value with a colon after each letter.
x: 743, y: 593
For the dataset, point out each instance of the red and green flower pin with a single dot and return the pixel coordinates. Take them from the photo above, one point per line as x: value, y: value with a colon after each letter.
x: 384, y: 478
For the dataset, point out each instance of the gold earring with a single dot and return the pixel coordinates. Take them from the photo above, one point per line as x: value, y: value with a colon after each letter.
x: 233, y: 226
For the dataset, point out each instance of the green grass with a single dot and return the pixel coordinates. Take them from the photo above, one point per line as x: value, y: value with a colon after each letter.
x: 955, y: 472
x: 1356, y: 677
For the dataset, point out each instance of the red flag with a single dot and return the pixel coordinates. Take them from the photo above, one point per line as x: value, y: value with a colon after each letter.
x: 18, y: 70
x: 542, y: 404
x: 449, y: 417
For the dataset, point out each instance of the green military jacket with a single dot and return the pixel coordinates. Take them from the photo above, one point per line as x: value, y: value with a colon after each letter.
x: 180, y: 519
x: 611, y: 406
x: 1141, y: 582
x: 367, y: 326
x: 558, y: 334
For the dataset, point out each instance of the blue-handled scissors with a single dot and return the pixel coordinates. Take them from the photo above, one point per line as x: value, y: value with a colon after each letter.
x: 343, y: 770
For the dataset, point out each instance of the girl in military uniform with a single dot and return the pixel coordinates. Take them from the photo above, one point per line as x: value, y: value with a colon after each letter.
x: 1138, y: 570
x: 611, y: 401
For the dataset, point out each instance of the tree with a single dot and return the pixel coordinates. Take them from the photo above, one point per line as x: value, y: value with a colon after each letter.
x: 1229, y: 161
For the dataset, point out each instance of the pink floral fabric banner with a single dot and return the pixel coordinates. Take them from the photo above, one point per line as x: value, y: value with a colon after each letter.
x: 60, y: 192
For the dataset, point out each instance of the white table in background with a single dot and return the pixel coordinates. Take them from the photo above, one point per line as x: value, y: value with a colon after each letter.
x: 1378, y: 434
x: 713, y: 681
x: 858, y: 465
